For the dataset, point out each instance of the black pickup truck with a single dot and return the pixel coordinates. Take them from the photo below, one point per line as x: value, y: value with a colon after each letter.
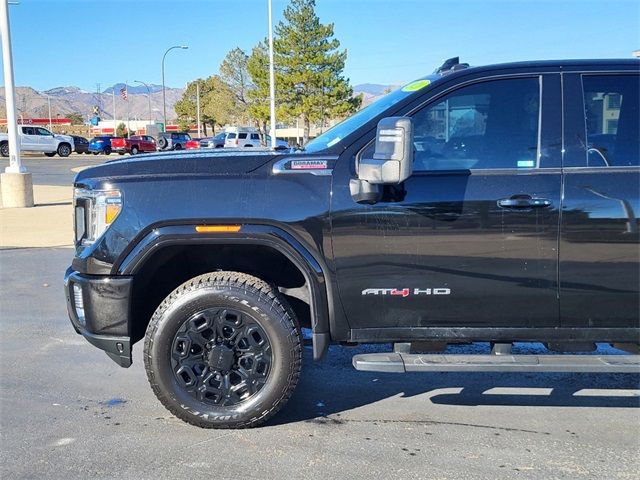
x: 489, y: 204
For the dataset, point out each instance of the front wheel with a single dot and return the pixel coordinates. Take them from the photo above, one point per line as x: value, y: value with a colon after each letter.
x: 64, y: 150
x: 107, y: 151
x: 134, y: 150
x: 223, y: 350
x: 4, y: 149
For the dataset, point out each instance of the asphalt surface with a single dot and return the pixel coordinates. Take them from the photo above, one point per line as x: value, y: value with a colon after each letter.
x: 67, y: 411
x: 57, y: 170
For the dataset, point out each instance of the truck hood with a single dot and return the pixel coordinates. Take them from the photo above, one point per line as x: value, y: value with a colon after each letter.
x: 177, y: 164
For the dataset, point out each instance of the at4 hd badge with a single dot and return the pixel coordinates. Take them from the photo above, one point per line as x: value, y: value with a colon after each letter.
x: 406, y: 292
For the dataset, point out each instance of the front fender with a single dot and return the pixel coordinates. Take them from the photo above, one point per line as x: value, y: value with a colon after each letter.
x: 312, y: 268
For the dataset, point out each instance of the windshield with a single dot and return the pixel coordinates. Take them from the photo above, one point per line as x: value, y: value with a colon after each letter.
x: 351, y: 124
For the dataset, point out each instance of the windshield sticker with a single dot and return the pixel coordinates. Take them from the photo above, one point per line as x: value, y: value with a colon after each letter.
x: 415, y: 86
x: 526, y: 164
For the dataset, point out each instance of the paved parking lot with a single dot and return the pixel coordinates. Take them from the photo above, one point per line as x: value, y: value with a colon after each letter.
x: 67, y: 411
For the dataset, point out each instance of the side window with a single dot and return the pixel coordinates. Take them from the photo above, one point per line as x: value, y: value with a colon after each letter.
x: 42, y: 131
x: 28, y: 131
x: 492, y: 124
x: 231, y: 136
x: 242, y: 136
x: 255, y: 136
x: 612, y: 115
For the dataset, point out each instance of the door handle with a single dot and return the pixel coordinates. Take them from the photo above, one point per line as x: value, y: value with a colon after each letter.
x: 524, y: 202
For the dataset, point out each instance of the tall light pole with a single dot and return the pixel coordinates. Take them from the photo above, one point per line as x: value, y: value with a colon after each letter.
x: 148, y: 98
x: 198, y: 105
x: 272, y: 87
x: 17, y: 184
x: 49, y: 102
x: 164, y: 100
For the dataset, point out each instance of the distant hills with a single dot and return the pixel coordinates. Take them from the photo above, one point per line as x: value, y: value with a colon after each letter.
x: 71, y: 99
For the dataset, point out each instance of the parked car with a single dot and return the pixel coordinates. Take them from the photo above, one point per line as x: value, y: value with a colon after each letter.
x: 119, y: 145
x: 134, y: 144
x: 38, y: 139
x: 173, y: 140
x: 81, y: 144
x: 506, y: 234
x: 101, y: 144
x: 242, y: 137
x: 216, y: 141
x: 193, y: 144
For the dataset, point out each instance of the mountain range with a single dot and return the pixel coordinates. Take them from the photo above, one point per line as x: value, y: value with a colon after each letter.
x: 67, y: 100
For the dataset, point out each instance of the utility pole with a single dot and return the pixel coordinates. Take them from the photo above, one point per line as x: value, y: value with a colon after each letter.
x: 113, y: 95
x: 17, y: 184
x: 198, y: 105
x: 49, y: 102
x: 149, y: 101
x: 272, y: 87
x: 126, y: 99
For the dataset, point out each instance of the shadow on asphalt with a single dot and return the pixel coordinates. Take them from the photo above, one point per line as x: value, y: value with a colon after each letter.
x: 332, y: 387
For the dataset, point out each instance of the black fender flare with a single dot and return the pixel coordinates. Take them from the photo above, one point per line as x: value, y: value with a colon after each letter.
x: 313, y: 270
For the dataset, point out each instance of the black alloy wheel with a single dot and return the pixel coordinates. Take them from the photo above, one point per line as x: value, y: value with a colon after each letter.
x: 221, y: 356
x: 223, y: 350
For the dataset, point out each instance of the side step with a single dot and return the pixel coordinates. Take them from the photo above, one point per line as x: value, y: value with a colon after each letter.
x: 412, y: 362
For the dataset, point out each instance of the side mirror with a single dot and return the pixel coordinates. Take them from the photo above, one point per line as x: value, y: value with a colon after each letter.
x: 392, y: 161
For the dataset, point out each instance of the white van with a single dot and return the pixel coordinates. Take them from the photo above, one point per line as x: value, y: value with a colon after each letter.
x: 249, y: 137
x: 242, y: 137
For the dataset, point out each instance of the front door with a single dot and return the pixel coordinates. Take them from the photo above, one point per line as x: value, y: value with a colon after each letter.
x: 470, y: 239
x: 29, y: 140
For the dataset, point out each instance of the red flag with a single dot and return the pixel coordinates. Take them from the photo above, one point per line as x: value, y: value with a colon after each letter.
x: 123, y: 92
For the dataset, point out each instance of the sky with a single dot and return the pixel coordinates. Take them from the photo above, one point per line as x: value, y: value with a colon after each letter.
x: 86, y: 42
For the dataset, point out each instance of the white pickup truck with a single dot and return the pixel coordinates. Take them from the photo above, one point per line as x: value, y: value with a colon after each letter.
x: 38, y: 139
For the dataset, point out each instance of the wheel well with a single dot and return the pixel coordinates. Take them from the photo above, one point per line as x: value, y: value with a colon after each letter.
x: 173, y: 265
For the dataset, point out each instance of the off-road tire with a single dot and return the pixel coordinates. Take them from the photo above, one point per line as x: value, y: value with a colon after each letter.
x: 64, y: 149
x: 163, y: 143
x: 251, y: 297
x: 4, y: 149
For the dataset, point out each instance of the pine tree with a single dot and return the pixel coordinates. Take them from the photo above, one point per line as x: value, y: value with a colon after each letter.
x: 258, y: 68
x: 309, y: 80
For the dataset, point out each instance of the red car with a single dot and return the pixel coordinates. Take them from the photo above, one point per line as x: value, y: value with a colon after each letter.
x: 192, y: 144
x: 133, y: 145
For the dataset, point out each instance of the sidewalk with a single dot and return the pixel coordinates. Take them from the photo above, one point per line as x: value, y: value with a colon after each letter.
x: 48, y: 224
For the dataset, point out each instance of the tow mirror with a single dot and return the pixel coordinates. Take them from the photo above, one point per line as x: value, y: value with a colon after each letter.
x: 392, y: 161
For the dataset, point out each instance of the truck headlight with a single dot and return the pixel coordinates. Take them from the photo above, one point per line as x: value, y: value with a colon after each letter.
x: 95, y: 210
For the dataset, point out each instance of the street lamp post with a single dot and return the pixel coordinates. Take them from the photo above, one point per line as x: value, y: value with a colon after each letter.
x: 49, y: 102
x: 17, y: 184
x: 272, y: 88
x: 164, y: 100
x: 148, y: 98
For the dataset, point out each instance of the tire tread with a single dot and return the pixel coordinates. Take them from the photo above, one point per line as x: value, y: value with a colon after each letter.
x: 253, y: 285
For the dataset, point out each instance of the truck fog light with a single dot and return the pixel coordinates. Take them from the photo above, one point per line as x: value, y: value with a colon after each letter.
x: 79, y: 303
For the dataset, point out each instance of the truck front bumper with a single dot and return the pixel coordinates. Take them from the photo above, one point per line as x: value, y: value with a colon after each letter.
x: 98, y: 308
